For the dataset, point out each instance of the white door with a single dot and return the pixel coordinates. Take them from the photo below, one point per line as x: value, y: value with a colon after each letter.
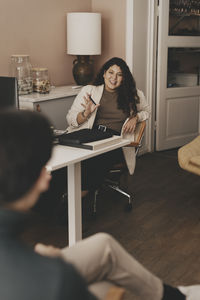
x: 178, y: 82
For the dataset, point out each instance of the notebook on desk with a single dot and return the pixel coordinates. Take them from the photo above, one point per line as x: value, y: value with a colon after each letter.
x: 82, y: 138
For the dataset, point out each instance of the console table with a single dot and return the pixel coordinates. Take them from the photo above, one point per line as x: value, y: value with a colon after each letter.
x: 54, y: 105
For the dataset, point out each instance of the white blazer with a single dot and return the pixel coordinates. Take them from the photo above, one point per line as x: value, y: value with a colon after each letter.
x: 96, y: 94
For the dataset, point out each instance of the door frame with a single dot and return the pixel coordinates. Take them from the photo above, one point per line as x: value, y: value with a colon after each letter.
x: 150, y: 80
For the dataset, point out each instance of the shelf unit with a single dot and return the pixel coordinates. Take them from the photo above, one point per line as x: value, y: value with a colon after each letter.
x: 178, y: 73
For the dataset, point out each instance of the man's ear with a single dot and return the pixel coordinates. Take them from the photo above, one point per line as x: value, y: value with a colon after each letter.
x: 43, y: 180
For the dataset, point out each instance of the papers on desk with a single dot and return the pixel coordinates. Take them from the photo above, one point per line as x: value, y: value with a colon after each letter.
x: 103, y: 143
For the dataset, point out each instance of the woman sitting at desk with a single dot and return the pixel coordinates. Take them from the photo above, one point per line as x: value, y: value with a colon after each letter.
x: 113, y: 103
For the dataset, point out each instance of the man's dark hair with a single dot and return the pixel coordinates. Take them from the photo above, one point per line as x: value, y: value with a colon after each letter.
x: 25, y: 147
x: 127, y: 92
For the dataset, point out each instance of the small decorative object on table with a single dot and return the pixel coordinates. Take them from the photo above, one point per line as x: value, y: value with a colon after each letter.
x: 22, y: 70
x: 41, y: 82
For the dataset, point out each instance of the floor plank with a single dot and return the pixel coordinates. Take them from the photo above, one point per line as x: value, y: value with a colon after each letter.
x: 163, y: 229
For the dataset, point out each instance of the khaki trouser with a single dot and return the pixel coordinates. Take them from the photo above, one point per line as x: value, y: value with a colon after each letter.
x: 101, y: 258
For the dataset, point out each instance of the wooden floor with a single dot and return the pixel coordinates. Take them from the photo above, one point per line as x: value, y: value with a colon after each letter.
x: 163, y: 229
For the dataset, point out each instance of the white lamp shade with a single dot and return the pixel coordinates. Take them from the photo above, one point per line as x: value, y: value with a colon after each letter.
x: 84, y: 33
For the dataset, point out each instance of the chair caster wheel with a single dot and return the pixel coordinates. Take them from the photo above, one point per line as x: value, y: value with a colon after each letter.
x: 129, y: 207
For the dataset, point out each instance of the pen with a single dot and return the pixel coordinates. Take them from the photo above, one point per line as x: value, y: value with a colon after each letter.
x: 92, y: 100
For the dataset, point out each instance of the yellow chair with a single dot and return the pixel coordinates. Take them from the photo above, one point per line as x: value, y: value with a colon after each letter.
x: 189, y: 156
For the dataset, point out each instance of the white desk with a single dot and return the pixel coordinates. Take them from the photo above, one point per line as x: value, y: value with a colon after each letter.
x: 63, y: 156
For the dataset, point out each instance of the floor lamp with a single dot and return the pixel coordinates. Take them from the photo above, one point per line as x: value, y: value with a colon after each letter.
x: 83, y: 40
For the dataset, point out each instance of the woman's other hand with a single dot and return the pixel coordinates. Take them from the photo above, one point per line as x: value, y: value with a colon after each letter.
x: 130, y: 125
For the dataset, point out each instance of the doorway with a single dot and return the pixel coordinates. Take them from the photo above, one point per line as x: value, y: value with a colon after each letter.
x: 172, y: 75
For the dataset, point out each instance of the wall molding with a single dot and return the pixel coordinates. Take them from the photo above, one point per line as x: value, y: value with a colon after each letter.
x: 150, y: 74
x: 129, y: 34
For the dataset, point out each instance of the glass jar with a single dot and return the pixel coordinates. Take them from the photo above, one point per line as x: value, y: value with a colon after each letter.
x: 41, y: 82
x: 22, y: 70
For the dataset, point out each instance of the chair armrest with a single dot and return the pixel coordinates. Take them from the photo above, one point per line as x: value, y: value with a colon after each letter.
x: 138, y: 134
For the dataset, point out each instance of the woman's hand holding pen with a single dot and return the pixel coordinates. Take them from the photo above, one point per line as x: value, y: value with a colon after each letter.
x: 90, y: 106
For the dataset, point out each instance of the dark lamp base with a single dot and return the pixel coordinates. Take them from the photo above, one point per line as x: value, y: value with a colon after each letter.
x: 83, y: 70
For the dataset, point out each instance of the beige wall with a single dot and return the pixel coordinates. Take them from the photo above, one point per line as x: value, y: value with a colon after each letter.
x: 38, y: 28
x: 113, y: 28
x: 140, y: 27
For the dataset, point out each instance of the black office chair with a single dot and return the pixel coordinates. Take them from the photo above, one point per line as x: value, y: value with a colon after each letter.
x: 113, y: 179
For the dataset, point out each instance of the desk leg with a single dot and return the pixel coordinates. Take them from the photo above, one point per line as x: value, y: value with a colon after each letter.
x: 74, y: 203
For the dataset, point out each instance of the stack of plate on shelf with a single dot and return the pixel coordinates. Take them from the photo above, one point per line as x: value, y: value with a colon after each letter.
x: 185, y: 79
